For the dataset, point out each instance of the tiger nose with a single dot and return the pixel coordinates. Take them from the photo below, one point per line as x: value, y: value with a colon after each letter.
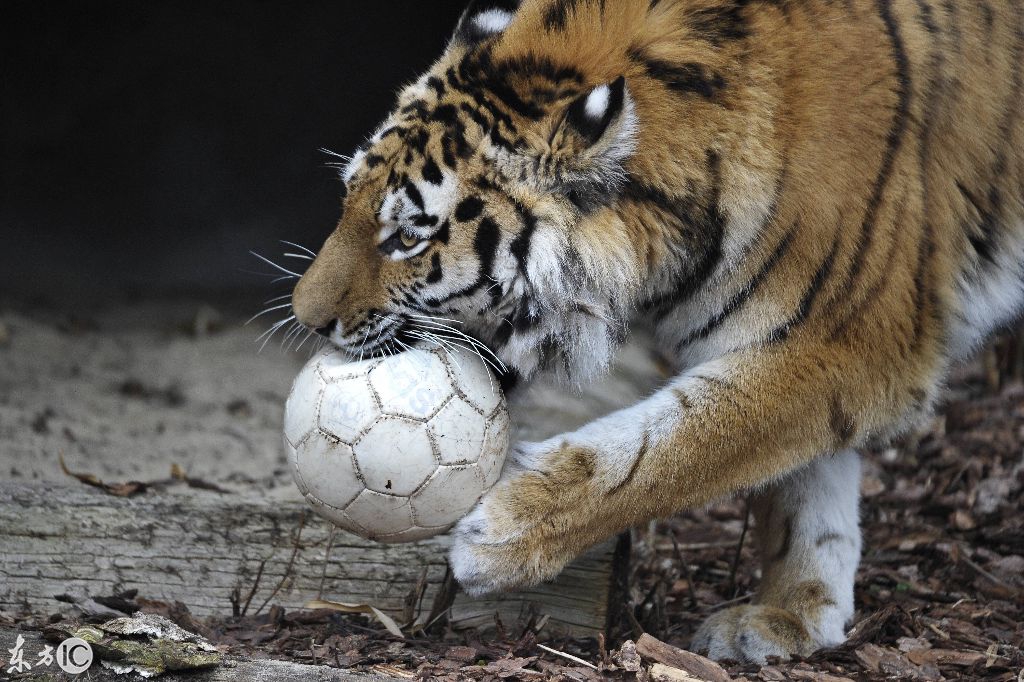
x: 327, y: 329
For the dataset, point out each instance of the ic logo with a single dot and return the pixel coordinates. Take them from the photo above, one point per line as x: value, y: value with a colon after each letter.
x: 74, y: 655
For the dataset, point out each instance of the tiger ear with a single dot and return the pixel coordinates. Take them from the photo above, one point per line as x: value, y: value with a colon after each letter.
x: 483, y: 19
x: 593, y: 139
x: 597, y: 112
x: 598, y: 133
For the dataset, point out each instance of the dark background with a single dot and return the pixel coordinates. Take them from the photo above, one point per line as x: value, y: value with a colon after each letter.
x: 146, y: 147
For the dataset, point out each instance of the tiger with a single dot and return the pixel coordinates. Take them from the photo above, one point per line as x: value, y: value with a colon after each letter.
x: 816, y: 207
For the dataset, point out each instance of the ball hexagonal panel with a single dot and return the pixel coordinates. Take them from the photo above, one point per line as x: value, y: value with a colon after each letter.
x: 495, y: 448
x: 380, y: 514
x: 334, y: 365
x: 347, y: 409
x: 411, y: 535
x: 300, y: 408
x: 326, y: 472
x: 448, y: 495
x: 395, y: 456
x: 413, y: 384
x: 292, y: 454
x: 476, y: 382
x: 335, y: 516
x: 458, y: 432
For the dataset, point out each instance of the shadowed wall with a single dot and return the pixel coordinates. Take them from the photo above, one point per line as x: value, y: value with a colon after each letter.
x: 149, y: 146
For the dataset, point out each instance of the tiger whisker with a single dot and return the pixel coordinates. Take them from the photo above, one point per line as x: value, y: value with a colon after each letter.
x: 315, y: 348
x: 293, y: 330
x: 275, y: 265
x: 303, y: 342
x: 269, y: 334
x: 465, y: 337
x: 362, y: 344
x: 264, y: 274
x: 434, y: 318
x: 448, y: 343
x: 268, y: 310
x: 294, y: 334
x: 403, y: 344
x: 327, y: 151
x: 298, y: 246
x: 437, y: 341
x: 472, y: 348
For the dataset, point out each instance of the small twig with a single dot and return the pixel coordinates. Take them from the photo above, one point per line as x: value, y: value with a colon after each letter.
x: 255, y: 586
x: 414, y: 599
x: 739, y: 550
x: 697, y: 546
x: 443, y: 599
x: 327, y: 558
x: 602, y: 649
x: 574, y: 659
x: 686, y: 569
x: 730, y: 602
x: 981, y: 571
x: 288, y: 568
x: 634, y: 623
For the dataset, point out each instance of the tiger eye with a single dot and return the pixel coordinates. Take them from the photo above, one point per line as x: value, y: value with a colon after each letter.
x: 409, y: 241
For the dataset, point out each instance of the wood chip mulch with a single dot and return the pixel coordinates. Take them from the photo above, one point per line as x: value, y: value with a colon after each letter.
x: 940, y: 591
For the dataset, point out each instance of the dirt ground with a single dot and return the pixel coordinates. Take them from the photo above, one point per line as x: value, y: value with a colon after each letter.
x: 126, y: 391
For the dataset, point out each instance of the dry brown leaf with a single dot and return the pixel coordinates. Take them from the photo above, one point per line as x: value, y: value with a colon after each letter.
x: 126, y: 489
x: 387, y: 621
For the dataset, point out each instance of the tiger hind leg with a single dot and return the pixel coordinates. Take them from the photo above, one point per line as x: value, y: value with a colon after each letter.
x: 808, y: 536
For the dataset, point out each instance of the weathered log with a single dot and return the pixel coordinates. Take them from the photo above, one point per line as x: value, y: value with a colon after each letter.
x: 202, y: 548
x: 697, y: 667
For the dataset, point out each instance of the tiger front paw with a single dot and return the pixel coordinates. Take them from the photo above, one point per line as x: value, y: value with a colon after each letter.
x: 752, y: 633
x: 521, y: 531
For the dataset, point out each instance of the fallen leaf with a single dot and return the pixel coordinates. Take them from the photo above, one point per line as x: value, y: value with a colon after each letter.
x: 178, y: 474
x: 387, y: 621
x: 117, y: 489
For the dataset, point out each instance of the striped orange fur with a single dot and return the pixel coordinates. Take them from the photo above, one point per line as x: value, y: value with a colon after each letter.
x: 817, y: 204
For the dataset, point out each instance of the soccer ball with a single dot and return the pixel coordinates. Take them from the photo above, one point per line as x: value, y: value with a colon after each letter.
x: 399, y: 448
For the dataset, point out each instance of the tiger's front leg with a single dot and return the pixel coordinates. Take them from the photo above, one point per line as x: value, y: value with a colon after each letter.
x: 724, y: 426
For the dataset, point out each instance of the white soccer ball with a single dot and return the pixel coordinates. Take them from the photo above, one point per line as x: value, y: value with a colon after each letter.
x: 396, y: 449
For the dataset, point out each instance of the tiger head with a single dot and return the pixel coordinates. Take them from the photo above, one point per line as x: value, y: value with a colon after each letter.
x: 485, y: 203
